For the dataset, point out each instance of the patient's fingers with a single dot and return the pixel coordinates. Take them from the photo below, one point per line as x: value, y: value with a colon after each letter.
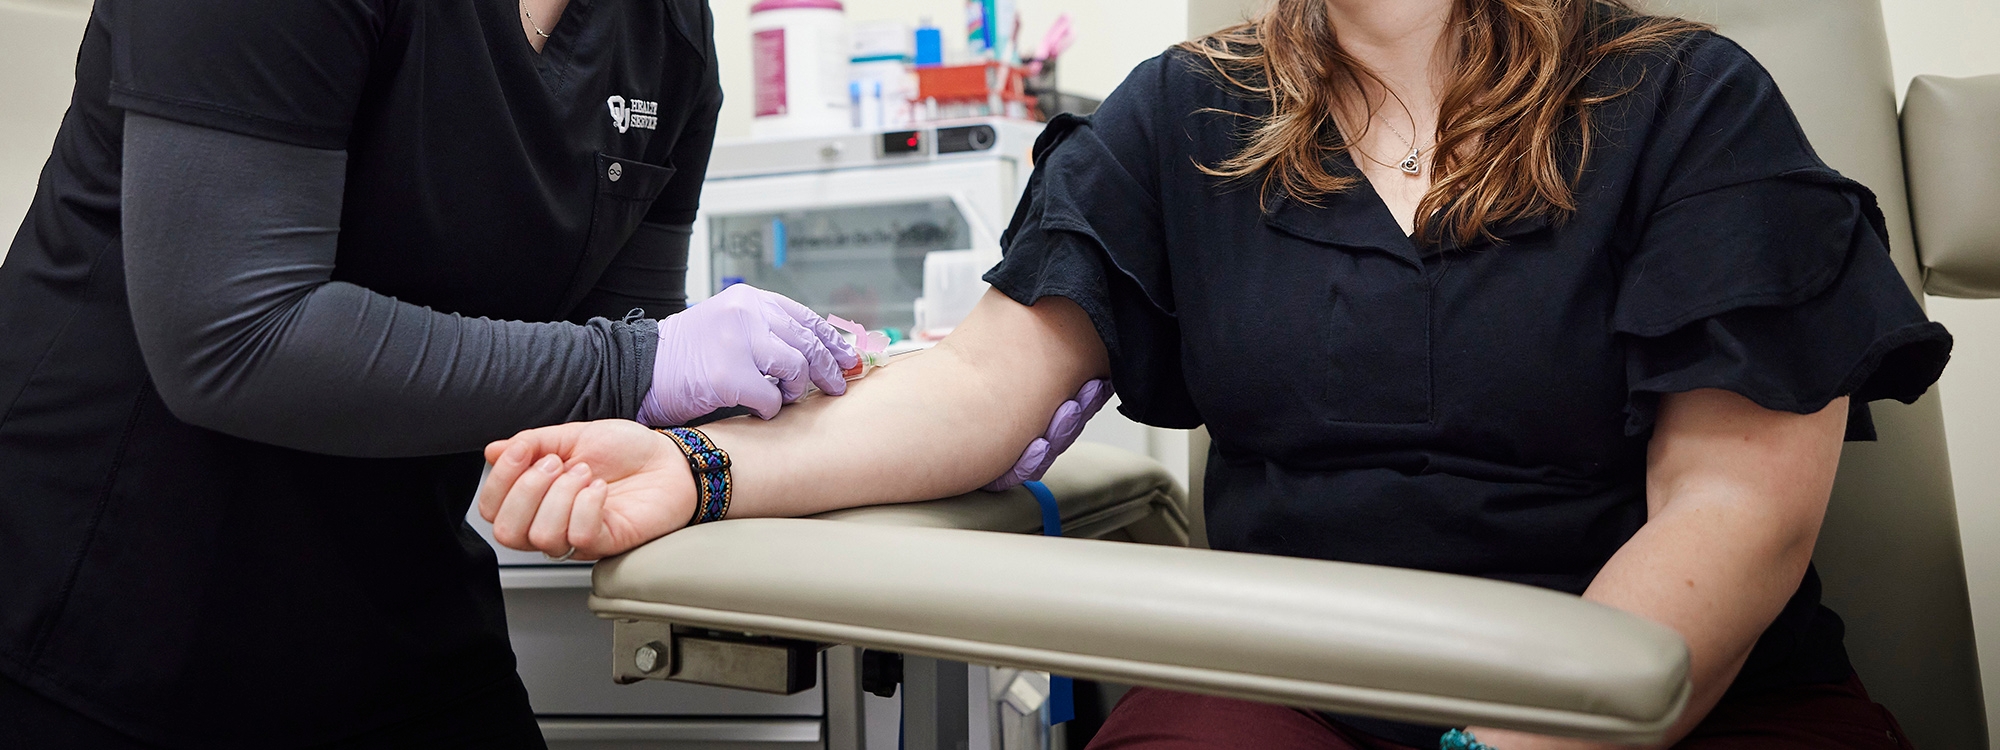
x: 495, y: 449
x: 586, y: 519
x: 517, y: 511
x: 511, y: 458
x: 507, y: 467
x: 549, y: 531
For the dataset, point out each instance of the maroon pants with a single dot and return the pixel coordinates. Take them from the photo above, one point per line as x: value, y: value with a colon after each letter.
x: 1836, y: 716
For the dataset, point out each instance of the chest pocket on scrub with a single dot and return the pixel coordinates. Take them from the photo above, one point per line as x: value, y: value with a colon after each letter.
x: 625, y: 192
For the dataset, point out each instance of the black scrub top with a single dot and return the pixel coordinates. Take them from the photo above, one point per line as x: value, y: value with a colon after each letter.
x: 195, y: 589
x: 1481, y: 409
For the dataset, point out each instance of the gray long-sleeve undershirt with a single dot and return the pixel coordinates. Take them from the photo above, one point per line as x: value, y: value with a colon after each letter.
x: 229, y: 245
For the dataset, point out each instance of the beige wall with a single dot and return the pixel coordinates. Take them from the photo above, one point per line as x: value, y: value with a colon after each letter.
x: 1962, y: 38
x: 1111, y: 37
x: 1943, y: 37
x: 36, y: 65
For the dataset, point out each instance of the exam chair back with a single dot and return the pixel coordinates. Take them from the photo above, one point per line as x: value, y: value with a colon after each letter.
x: 1952, y: 152
x: 1889, y: 552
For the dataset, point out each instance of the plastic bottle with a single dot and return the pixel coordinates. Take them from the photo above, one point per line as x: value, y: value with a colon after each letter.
x: 798, y: 61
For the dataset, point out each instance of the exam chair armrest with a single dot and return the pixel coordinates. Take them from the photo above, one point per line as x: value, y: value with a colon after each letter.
x: 1100, y: 491
x: 1387, y: 642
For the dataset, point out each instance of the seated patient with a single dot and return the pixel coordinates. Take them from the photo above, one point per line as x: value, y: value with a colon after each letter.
x: 1543, y: 291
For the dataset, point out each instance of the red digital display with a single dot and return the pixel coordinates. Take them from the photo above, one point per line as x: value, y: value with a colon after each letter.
x: 903, y: 142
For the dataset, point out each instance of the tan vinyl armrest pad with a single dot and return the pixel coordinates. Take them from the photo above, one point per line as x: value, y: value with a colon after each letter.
x: 1386, y: 642
x: 1099, y: 489
x: 1951, y: 144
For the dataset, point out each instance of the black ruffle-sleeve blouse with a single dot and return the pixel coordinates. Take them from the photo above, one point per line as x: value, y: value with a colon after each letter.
x: 1480, y: 409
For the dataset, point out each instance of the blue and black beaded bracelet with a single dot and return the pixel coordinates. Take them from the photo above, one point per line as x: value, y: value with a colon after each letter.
x: 710, y: 466
x: 1459, y: 739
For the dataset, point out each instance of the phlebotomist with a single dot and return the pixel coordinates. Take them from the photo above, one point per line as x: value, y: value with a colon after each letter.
x: 269, y: 295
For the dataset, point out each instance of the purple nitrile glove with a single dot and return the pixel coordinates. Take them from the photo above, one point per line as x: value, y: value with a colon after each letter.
x: 1063, y: 429
x: 716, y: 354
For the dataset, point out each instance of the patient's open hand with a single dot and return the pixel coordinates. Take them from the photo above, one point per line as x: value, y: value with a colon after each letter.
x: 601, y: 487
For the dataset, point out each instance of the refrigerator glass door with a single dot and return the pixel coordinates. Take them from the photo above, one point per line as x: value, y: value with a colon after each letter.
x: 863, y: 262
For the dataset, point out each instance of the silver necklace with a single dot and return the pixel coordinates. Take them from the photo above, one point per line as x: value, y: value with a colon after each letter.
x: 1412, y: 164
x: 531, y: 20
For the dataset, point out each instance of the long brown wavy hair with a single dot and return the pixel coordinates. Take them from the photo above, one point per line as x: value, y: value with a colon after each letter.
x: 1515, y: 97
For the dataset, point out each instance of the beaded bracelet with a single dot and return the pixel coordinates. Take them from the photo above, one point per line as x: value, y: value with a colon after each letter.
x: 1459, y: 739
x: 710, y: 466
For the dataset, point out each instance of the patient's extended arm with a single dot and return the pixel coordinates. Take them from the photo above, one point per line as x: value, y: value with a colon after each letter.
x: 930, y: 426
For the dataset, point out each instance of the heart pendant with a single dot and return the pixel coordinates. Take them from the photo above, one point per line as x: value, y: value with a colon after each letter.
x: 1410, y: 164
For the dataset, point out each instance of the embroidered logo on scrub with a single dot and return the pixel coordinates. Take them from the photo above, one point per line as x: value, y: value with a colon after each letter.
x: 639, y: 113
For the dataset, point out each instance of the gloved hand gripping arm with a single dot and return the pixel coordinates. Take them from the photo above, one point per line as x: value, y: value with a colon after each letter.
x: 1064, y: 428
x: 717, y: 353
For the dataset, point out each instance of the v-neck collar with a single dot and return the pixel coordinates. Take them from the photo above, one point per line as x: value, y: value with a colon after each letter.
x: 1357, y: 218
x: 555, y: 63
x: 1360, y: 219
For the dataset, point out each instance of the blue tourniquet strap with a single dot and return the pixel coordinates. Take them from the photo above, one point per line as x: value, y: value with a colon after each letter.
x: 1051, y: 513
x: 1062, y: 694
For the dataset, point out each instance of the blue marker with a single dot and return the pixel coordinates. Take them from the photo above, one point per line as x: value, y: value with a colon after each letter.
x: 930, y: 46
x: 777, y: 243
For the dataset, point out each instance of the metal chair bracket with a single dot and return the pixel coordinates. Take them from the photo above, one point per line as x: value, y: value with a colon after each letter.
x: 644, y: 650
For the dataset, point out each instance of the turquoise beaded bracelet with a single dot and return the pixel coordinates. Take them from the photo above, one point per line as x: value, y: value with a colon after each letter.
x: 710, y: 466
x: 1459, y: 739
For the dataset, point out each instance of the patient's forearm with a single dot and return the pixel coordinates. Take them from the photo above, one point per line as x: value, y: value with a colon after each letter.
x: 1735, y: 496
x: 1713, y: 572
x: 1717, y: 572
x: 931, y: 425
